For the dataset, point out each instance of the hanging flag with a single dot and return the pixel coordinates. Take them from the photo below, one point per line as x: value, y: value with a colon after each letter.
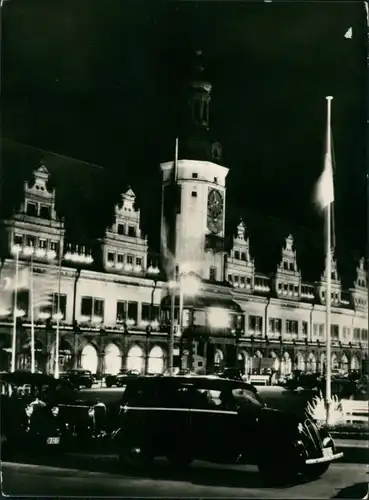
x: 324, y: 190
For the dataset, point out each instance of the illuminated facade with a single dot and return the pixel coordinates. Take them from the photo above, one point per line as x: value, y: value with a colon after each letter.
x: 109, y: 294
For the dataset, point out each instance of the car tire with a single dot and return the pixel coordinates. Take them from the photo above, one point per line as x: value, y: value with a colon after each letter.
x: 89, y: 385
x: 108, y: 384
x: 316, y: 470
x: 135, y: 456
x: 276, y: 471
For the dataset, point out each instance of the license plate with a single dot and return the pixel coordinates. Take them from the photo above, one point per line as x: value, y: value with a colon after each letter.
x: 53, y: 440
x: 327, y: 452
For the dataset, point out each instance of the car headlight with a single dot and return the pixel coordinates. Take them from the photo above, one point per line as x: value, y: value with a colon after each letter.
x: 91, y: 412
x: 55, y: 411
x: 29, y: 410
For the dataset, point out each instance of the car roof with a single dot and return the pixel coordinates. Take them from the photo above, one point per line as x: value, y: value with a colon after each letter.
x: 205, y: 381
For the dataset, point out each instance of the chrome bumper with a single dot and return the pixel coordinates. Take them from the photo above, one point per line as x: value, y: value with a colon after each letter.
x: 320, y: 460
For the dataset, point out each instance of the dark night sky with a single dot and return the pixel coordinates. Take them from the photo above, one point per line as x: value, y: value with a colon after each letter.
x: 98, y: 81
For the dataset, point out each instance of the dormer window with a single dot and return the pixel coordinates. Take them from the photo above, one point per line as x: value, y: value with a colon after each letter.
x: 45, y: 212
x: 120, y: 229
x: 32, y: 209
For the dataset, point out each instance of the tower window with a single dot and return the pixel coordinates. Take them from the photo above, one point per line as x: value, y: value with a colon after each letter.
x: 120, y: 229
x: 194, y: 175
x: 216, y: 180
x: 44, y: 212
x: 194, y: 194
x: 131, y: 231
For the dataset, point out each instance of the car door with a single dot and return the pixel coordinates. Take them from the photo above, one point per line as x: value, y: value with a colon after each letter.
x: 214, y: 423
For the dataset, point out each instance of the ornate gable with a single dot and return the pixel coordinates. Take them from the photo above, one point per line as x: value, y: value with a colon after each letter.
x: 240, y: 266
x: 359, y: 293
x: 287, y: 280
x: 335, y: 284
x: 124, y: 246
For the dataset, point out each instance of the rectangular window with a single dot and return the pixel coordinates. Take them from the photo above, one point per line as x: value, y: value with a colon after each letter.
x: 364, y: 334
x: 216, y: 180
x: 23, y: 301
x: 111, y: 257
x: 99, y: 308
x: 291, y: 326
x: 356, y: 333
x: 194, y: 175
x: 316, y: 330
x: 230, y: 278
x: 235, y: 279
x: 62, y: 304
x: 321, y: 331
x: 275, y: 325
x: 255, y: 323
x: 242, y: 280
x: 334, y: 332
x: 138, y: 261
x: 45, y: 212
x: 155, y: 313
x: 18, y: 239
x: 145, y: 312
x: 213, y: 274
x: 131, y: 231
x: 129, y: 259
x: 120, y: 258
x: 32, y: 209
x: 296, y: 289
x: 291, y: 266
x: 54, y: 245
x: 120, y: 229
x: 121, y: 311
x: 194, y: 194
x: 42, y: 244
x: 305, y: 328
x: 132, y: 311
x: 31, y: 241
x: 86, y: 306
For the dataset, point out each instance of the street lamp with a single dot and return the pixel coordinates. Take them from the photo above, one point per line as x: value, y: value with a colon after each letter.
x: 78, y: 258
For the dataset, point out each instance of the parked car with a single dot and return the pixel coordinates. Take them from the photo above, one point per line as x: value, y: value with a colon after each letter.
x: 79, y: 377
x: 298, y: 378
x: 217, y: 420
x: 230, y: 373
x: 28, y: 423
x: 119, y: 379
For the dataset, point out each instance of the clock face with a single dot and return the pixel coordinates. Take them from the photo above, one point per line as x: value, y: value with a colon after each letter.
x: 215, y: 211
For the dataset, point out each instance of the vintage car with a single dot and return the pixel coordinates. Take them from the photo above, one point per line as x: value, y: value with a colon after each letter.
x: 220, y: 421
x: 119, y: 379
x: 308, y: 381
x: 27, y: 421
x: 79, y: 377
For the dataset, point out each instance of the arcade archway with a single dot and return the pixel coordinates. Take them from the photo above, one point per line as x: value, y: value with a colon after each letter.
x: 135, y: 359
x: 311, y: 363
x: 112, y: 359
x: 89, y: 358
x: 156, y: 360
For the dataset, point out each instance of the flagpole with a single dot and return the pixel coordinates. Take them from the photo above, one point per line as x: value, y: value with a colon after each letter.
x: 14, y: 337
x: 57, y: 339
x: 173, y: 274
x: 328, y: 249
x: 32, y: 317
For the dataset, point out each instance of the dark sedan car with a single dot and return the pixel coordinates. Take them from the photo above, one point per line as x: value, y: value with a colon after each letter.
x: 217, y: 420
x: 119, y: 379
x: 79, y: 377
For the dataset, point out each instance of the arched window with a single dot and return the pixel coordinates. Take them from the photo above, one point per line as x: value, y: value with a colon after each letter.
x: 156, y: 360
x: 89, y: 358
x: 112, y: 360
x: 135, y: 359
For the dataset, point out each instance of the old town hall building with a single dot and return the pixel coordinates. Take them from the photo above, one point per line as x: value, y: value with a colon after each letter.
x: 112, y: 307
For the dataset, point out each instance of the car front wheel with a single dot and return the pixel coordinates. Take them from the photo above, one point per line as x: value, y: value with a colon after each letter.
x: 316, y: 470
x: 135, y: 456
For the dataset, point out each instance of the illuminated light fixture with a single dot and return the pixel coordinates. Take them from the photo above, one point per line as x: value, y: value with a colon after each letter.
x: 172, y: 284
x: 128, y: 267
x: 51, y: 254
x: 20, y: 313
x: 16, y: 249
x: 155, y: 323
x: 28, y: 250
x: 58, y: 316
x: 89, y: 259
x: 85, y: 319
x: 218, y: 317
x: 29, y: 410
x: 55, y: 411
x: 138, y: 268
x: 190, y: 285
x: 40, y: 252
x: 44, y: 315
x: 130, y: 322
x: 248, y: 286
x: 235, y: 284
x: 144, y: 322
x: 150, y: 269
x: 242, y: 285
x: 68, y: 256
x: 119, y: 266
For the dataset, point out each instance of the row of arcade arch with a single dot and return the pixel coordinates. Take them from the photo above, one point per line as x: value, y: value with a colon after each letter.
x: 285, y: 364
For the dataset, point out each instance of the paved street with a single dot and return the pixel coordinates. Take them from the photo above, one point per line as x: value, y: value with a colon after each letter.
x: 95, y: 478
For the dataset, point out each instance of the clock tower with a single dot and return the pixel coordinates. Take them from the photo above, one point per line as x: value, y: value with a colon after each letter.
x: 195, y: 216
